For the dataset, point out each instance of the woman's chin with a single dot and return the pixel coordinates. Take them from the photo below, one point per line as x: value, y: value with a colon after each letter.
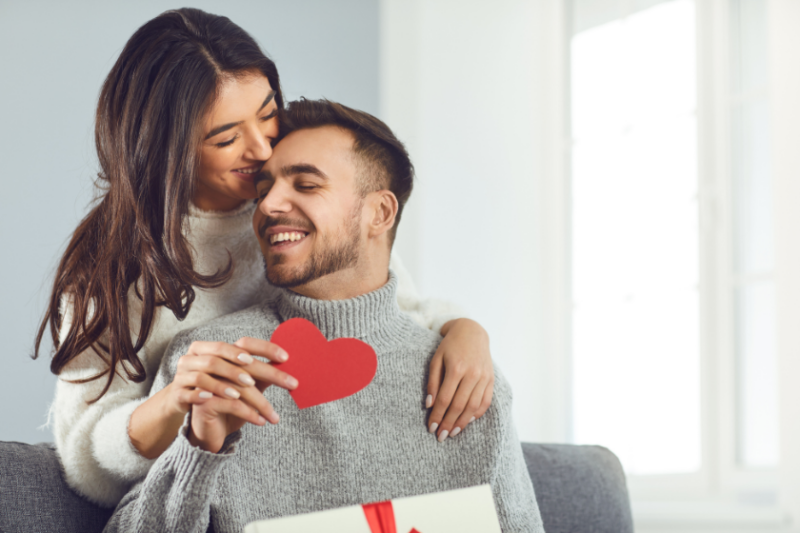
x: 247, y: 191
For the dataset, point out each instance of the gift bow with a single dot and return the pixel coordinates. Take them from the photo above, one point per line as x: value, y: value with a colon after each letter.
x: 380, y: 517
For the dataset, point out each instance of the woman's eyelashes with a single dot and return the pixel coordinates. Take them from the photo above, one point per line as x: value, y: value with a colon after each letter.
x: 226, y: 143
x: 265, y: 118
x: 270, y: 116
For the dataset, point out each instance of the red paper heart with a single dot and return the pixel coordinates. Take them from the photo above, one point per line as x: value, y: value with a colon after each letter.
x: 327, y: 371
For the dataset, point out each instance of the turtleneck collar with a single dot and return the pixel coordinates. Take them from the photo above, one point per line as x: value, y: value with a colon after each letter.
x: 219, y: 223
x: 371, y: 314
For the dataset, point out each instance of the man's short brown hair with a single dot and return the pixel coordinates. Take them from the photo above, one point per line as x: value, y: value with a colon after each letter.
x: 382, y: 161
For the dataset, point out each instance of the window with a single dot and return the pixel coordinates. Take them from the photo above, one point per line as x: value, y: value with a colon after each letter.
x: 674, y: 358
x: 752, y: 278
x: 635, y: 268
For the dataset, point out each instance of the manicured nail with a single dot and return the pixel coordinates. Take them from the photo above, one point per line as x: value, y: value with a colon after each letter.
x: 455, y: 432
x: 433, y: 427
x: 291, y: 382
x: 442, y: 435
x: 262, y: 420
x: 471, y: 420
x: 274, y: 418
x: 206, y: 395
x: 246, y: 379
x: 233, y: 393
x: 428, y: 401
x: 282, y: 355
x: 244, y: 358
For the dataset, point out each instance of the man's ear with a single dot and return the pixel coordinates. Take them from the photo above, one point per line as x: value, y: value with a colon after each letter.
x: 382, y: 212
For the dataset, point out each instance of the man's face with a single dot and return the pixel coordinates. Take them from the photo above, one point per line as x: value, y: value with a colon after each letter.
x: 309, y: 216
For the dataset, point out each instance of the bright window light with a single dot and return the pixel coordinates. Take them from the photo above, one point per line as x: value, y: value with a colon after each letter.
x: 753, y: 261
x: 635, y: 338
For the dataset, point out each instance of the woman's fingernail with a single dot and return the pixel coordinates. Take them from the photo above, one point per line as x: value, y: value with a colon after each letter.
x: 246, y: 379
x: 471, y: 420
x: 291, y: 382
x: 233, y: 393
x: 206, y: 395
x: 455, y: 432
x: 428, y: 401
x: 244, y: 358
x: 274, y: 418
x: 433, y: 427
x: 442, y: 435
x: 282, y: 355
x: 262, y: 420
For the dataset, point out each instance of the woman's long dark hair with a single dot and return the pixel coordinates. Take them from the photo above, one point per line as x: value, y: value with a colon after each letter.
x: 148, y: 132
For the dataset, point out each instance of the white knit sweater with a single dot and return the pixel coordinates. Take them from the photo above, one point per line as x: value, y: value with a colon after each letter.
x: 92, y: 439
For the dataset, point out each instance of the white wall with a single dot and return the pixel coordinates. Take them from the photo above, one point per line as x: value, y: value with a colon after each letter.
x: 784, y: 21
x: 464, y: 84
x: 54, y: 57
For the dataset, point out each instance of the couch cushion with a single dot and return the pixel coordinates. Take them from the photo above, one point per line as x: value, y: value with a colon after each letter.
x: 580, y: 489
x: 35, y: 497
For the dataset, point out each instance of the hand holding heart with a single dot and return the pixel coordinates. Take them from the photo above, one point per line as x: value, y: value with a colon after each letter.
x: 223, y: 385
x: 326, y: 370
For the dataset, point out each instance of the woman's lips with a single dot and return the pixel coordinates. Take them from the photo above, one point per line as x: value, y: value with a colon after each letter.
x: 247, y: 174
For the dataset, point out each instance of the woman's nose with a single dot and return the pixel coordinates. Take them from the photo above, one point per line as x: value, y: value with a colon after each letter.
x: 259, y: 147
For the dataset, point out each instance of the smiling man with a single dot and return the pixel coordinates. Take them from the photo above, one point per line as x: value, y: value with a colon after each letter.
x: 329, y: 202
x: 329, y: 205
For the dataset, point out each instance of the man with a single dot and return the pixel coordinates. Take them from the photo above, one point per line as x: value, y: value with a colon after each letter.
x: 329, y: 201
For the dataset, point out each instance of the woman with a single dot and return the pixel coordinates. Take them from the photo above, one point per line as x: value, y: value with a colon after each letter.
x: 169, y: 245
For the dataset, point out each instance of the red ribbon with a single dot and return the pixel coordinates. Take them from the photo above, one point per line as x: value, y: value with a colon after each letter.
x: 380, y: 517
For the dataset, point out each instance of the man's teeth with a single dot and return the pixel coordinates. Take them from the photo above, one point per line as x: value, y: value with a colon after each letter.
x: 248, y: 170
x: 288, y: 236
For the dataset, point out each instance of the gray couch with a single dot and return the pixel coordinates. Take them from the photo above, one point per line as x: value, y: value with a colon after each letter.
x: 580, y: 489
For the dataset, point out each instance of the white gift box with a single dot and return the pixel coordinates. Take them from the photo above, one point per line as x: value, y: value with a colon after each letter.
x: 468, y: 510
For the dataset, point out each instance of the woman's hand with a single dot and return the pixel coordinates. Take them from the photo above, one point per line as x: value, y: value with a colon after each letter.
x: 461, y: 379
x: 217, y: 381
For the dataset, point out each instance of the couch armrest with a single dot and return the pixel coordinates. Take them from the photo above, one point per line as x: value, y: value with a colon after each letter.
x: 35, y: 497
x: 580, y: 489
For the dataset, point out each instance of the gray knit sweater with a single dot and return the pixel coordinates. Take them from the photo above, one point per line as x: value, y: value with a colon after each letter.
x: 368, y: 447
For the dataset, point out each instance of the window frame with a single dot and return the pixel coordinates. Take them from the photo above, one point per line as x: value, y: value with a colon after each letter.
x: 735, y: 481
x: 712, y: 496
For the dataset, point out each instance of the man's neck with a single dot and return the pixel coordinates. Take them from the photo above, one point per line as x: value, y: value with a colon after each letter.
x: 347, y: 283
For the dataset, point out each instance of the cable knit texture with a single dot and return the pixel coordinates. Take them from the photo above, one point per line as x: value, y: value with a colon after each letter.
x: 368, y: 447
x: 92, y: 439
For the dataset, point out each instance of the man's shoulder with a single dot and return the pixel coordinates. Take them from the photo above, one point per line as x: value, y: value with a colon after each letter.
x: 413, y: 336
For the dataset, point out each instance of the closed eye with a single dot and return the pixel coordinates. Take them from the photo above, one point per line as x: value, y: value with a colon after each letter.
x: 270, y: 116
x: 263, y: 188
x: 226, y: 143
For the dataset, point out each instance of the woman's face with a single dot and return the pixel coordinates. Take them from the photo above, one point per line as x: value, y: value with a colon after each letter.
x: 237, y: 139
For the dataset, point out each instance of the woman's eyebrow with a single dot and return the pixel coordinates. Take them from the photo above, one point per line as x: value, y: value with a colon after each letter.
x: 220, y: 129
x: 224, y: 127
x: 267, y: 100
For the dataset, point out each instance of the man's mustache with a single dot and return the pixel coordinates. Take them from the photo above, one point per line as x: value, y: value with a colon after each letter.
x: 269, y: 222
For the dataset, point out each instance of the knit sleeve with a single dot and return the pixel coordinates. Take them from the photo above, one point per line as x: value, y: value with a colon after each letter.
x: 512, y: 488
x: 177, y: 493
x: 91, y: 437
x: 429, y: 313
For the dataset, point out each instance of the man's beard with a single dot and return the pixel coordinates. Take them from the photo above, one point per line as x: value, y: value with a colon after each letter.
x: 325, y: 259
